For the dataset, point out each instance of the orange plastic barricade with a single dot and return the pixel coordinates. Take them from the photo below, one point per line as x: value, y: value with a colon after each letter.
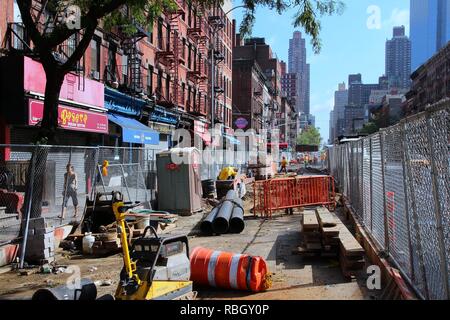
x: 229, y: 270
x: 287, y: 193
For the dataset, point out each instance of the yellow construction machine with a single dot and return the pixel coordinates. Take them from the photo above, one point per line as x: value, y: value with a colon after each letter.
x: 155, y: 268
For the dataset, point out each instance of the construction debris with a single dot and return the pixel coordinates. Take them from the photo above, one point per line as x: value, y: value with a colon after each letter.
x: 40, y: 246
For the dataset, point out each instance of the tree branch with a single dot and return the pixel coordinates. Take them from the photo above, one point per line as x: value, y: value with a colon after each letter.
x: 82, y: 46
x: 30, y: 25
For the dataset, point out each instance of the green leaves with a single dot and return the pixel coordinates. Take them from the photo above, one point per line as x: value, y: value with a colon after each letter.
x: 310, y: 136
x: 369, y: 128
x: 307, y: 16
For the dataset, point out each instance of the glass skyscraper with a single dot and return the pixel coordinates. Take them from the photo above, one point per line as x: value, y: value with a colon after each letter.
x: 430, y: 29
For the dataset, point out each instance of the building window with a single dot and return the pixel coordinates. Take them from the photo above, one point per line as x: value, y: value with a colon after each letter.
x: 150, y: 80
x: 168, y: 87
x: 160, y: 33
x: 95, y: 58
x: 150, y: 32
x: 124, y: 68
x: 195, y: 59
x: 159, y: 81
x: 189, y: 22
x: 189, y: 56
x: 112, y: 64
x: 168, y: 37
x: 183, y: 51
x: 183, y: 88
x: 189, y: 97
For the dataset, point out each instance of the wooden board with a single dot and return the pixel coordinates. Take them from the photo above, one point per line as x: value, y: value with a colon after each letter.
x: 330, y: 232
x: 306, y: 252
x: 310, y: 221
x: 325, y: 218
x: 349, y: 245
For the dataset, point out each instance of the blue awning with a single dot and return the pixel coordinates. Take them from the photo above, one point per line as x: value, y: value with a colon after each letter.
x: 133, y: 131
x: 117, y: 101
x: 232, y: 139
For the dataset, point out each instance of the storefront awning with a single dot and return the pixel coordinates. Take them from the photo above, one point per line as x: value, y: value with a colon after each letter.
x: 232, y: 139
x: 117, y: 101
x: 133, y: 131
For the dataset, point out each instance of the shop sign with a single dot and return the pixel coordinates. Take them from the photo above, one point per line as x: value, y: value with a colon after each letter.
x: 241, y: 123
x: 70, y: 118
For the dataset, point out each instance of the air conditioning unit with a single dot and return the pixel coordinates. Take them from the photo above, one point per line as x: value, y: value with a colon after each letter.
x: 95, y: 75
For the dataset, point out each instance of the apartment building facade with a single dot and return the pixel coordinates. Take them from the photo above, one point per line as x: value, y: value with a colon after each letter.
x: 160, y: 76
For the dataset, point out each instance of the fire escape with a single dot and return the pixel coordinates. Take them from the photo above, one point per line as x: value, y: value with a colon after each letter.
x: 171, y: 55
x: 218, y: 48
x: 132, y: 81
x: 131, y: 50
x: 17, y: 40
x: 198, y: 75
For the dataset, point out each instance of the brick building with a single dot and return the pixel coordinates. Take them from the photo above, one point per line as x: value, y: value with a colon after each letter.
x: 256, y: 84
x: 161, y: 75
x: 288, y: 84
x: 430, y: 82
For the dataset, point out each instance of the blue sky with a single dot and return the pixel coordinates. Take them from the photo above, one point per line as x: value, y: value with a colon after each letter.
x: 353, y: 42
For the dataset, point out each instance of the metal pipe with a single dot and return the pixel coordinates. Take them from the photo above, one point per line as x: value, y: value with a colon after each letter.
x: 30, y: 200
x: 237, y: 223
x: 221, y: 222
x: 206, y: 226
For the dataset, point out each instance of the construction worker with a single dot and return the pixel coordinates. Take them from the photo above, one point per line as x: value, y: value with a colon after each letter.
x: 284, y: 164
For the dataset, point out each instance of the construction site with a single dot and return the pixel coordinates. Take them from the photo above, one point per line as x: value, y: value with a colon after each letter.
x: 289, y: 236
x: 299, y: 267
x: 366, y: 221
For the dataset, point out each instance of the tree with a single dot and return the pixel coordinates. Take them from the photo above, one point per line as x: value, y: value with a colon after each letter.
x: 48, y: 32
x: 369, y: 128
x: 310, y: 136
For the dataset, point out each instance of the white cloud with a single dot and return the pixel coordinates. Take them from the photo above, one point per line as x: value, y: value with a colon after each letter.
x: 399, y: 17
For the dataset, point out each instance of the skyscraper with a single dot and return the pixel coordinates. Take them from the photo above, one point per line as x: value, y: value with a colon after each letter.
x: 398, y: 59
x: 297, y: 64
x: 340, y: 101
x: 430, y: 29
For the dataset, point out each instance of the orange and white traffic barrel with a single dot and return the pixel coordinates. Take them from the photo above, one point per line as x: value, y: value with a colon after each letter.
x: 229, y: 270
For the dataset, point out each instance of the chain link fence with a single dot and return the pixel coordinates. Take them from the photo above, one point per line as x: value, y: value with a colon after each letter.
x: 398, y: 183
x: 34, y: 180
